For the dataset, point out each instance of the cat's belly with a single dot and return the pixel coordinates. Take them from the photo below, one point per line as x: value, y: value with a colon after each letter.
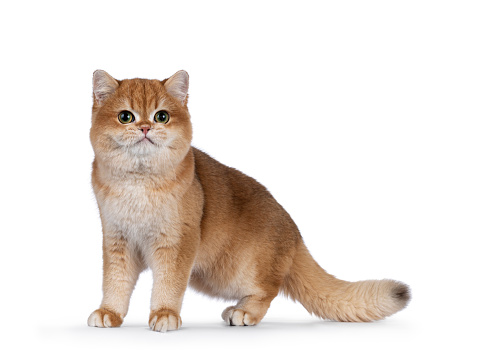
x: 232, y: 286
x: 228, y: 274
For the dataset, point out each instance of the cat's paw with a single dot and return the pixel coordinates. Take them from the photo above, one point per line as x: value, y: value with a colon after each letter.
x: 236, y: 316
x: 164, y: 320
x: 103, y: 318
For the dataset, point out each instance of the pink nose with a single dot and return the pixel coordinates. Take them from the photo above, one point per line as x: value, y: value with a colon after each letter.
x: 145, y: 129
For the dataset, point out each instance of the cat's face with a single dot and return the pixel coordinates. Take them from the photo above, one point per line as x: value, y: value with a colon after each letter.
x: 140, y: 123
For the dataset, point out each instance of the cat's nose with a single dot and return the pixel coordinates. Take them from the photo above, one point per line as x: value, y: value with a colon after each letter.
x: 144, y: 129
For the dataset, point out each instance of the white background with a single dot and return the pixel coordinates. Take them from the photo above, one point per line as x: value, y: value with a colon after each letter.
x: 361, y: 117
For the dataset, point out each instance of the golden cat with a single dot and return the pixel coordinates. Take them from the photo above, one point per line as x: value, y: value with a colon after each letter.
x: 170, y: 207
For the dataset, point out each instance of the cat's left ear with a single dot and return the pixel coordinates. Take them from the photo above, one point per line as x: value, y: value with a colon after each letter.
x: 103, y: 85
x: 177, y: 86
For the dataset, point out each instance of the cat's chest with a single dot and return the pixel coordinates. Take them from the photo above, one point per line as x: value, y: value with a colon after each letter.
x: 140, y: 213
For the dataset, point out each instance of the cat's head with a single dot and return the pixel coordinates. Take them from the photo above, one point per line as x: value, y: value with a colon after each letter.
x: 140, y: 123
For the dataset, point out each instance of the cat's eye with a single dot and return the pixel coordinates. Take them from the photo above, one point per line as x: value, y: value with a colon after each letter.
x: 162, y: 117
x: 126, y: 117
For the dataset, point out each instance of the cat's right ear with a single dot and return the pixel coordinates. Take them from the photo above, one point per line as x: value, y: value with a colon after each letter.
x: 103, y: 86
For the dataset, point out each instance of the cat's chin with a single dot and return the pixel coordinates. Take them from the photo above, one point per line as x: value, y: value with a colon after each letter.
x: 144, y: 148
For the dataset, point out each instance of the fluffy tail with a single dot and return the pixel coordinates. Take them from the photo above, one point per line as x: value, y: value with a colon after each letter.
x: 330, y: 298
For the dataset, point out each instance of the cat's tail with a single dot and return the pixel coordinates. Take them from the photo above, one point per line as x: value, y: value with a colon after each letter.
x: 330, y: 298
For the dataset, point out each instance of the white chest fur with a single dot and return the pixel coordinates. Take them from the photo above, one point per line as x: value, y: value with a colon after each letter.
x: 139, y: 212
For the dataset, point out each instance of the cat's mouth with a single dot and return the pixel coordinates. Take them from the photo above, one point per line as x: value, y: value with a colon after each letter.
x: 145, y: 140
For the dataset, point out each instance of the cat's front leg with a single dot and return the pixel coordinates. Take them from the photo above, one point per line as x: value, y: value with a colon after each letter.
x: 121, y: 267
x: 171, y: 266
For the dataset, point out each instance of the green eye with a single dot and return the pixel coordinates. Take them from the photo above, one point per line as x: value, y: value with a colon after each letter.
x: 162, y: 117
x: 126, y: 117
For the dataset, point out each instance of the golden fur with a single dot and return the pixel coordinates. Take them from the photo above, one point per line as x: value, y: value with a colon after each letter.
x: 170, y: 207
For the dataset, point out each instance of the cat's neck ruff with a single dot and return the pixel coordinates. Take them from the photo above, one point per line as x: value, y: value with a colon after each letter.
x: 161, y: 172
x: 163, y: 166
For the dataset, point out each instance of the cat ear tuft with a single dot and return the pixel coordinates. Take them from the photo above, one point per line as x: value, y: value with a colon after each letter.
x: 177, y: 86
x: 103, y: 85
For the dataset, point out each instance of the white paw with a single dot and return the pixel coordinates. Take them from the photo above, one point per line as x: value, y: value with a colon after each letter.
x: 164, y: 320
x: 238, y: 317
x: 102, y: 318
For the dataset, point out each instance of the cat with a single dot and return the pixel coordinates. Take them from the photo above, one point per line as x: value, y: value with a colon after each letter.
x: 169, y: 206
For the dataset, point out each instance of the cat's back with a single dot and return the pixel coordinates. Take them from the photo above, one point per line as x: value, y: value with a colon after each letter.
x: 232, y: 198
x: 225, y: 183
